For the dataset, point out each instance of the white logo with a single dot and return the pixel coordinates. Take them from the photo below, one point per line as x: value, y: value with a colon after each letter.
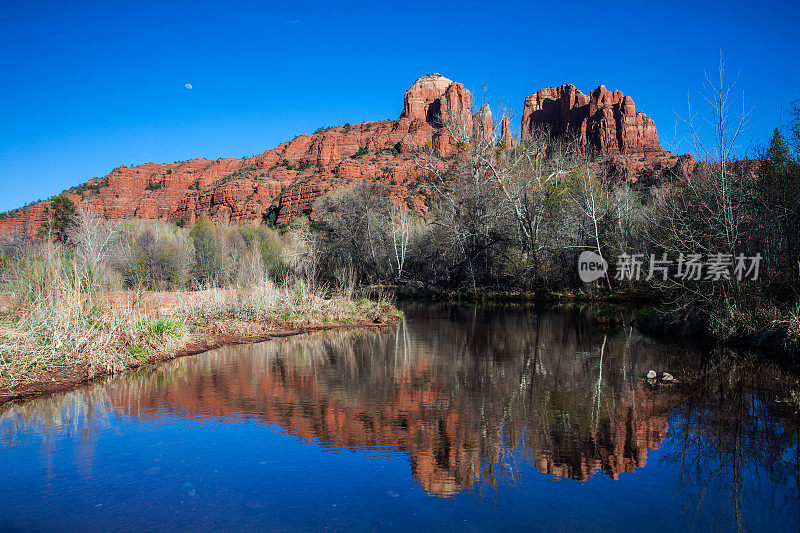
x: 591, y: 267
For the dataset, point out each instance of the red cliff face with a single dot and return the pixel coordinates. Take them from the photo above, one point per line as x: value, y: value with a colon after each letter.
x: 605, y: 123
x: 284, y: 182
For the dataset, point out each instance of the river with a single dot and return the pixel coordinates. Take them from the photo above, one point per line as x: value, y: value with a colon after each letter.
x: 457, y: 418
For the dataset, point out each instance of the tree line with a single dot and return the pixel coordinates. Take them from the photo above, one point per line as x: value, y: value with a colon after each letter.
x: 505, y: 217
x: 517, y: 217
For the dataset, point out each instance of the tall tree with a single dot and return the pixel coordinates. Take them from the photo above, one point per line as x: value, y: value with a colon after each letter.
x: 777, y: 214
x: 60, y: 218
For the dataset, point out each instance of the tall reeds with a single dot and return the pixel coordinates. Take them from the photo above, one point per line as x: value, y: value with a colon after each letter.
x: 56, y: 321
x: 73, y: 309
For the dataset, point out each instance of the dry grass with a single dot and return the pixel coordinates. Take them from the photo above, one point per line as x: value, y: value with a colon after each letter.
x: 58, y: 324
x: 293, y: 303
x: 54, y: 323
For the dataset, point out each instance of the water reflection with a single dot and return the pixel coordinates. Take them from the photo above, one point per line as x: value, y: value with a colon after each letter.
x: 464, y: 404
x: 471, y: 396
x: 736, y: 432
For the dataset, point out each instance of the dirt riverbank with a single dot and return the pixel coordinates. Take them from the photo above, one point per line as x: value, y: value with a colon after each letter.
x: 202, y: 337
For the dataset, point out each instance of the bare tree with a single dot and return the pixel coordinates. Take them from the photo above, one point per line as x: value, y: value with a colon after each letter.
x: 590, y: 196
x: 494, y: 193
x: 462, y: 187
x: 93, y: 237
x: 726, y: 126
x: 401, y: 234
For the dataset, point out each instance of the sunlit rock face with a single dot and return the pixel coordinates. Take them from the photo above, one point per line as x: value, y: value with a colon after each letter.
x: 605, y: 124
x: 283, y: 182
x: 422, y: 99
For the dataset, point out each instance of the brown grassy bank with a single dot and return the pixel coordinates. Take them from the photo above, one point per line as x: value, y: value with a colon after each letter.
x: 201, y: 336
x: 105, y: 297
x: 58, y: 336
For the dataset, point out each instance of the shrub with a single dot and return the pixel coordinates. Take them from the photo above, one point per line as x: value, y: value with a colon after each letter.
x: 208, y: 267
x: 60, y: 218
x: 153, y: 261
x: 361, y: 151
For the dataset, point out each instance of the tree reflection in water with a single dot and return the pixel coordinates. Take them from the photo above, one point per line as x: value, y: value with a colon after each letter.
x: 472, y: 396
x: 738, y: 422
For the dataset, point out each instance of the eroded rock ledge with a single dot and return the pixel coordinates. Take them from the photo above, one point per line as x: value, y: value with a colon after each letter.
x: 283, y: 182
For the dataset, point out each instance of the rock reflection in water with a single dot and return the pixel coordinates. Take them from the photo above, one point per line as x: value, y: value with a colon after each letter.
x: 465, y: 397
x: 477, y: 400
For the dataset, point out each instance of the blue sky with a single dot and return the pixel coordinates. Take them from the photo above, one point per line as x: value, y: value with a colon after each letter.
x: 89, y: 86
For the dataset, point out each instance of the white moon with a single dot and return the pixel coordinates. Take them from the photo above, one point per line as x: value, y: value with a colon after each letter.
x: 188, y: 86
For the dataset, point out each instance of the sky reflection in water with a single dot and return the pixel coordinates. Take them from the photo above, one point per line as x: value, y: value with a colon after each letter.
x: 458, y: 418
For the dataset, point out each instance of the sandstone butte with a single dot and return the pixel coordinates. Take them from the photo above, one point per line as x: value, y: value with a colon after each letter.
x: 283, y: 182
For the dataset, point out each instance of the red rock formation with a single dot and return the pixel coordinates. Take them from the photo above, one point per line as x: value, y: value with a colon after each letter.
x: 422, y: 100
x: 484, y: 124
x: 561, y: 110
x: 506, y: 137
x: 605, y: 124
x: 286, y: 180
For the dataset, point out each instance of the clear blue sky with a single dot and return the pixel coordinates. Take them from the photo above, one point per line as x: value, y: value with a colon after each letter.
x: 87, y: 86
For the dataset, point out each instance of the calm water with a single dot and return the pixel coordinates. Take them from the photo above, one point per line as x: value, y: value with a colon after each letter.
x: 456, y: 419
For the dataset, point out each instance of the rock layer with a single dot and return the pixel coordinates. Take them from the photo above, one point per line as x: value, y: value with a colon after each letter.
x: 605, y: 122
x: 283, y: 183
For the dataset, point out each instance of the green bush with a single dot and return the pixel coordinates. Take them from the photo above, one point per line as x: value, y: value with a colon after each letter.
x: 208, y: 267
x: 59, y: 218
x: 361, y: 151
